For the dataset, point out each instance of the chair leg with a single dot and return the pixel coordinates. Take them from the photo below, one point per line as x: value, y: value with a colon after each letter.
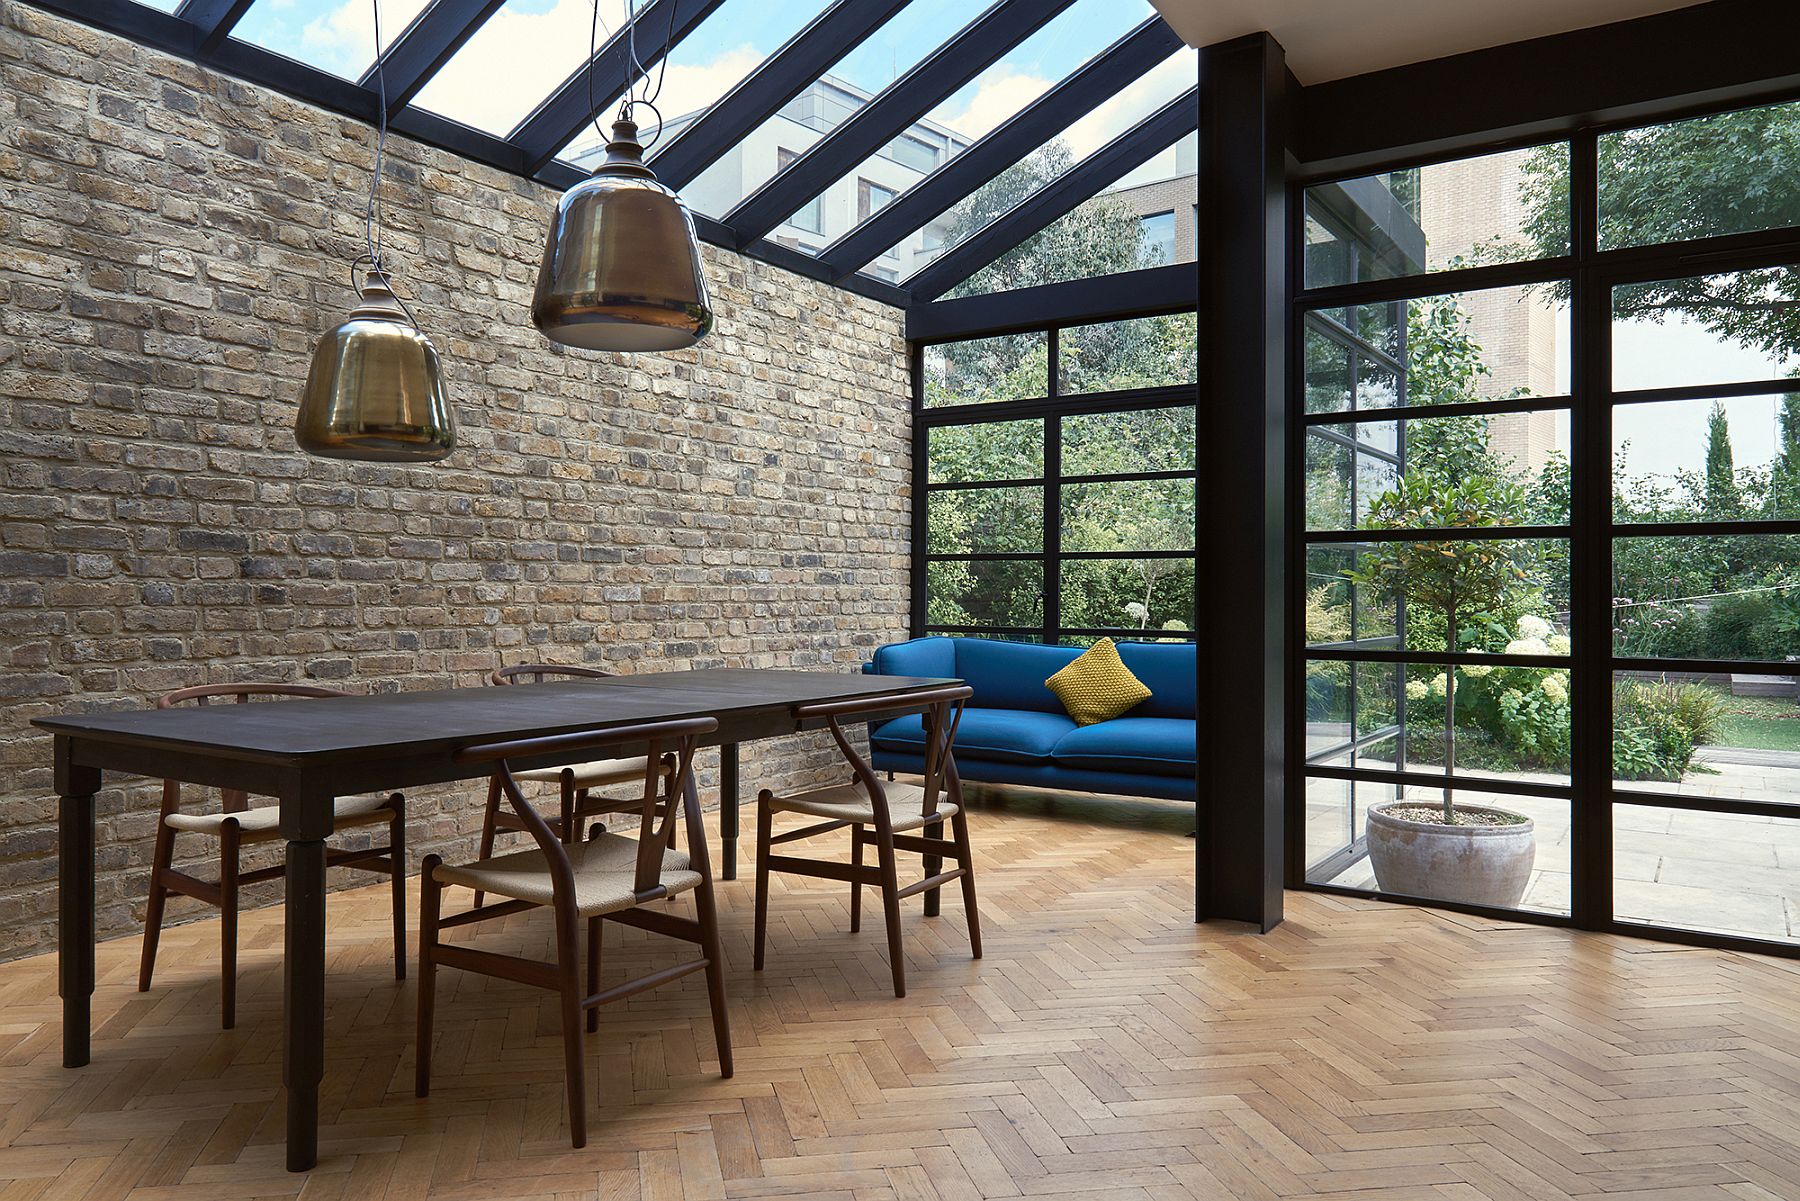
x: 708, y: 914
x: 568, y: 975
x: 765, y: 820
x: 397, y: 857
x: 161, y: 860
x: 890, y: 904
x: 430, y: 898
x: 487, y: 828
x: 228, y: 924
x: 965, y: 858
x: 593, y: 972
x: 856, y: 860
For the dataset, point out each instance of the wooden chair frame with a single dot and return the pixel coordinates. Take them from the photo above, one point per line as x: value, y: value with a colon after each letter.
x: 166, y: 879
x: 562, y: 976
x: 942, y: 712
x: 575, y: 803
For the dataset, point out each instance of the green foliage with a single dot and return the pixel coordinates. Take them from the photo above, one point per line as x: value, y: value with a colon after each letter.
x: 1722, y: 500
x: 1656, y: 727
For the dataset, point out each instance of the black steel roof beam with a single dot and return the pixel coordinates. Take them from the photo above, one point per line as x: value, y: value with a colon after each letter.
x: 1150, y: 292
x: 212, y: 20
x: 1102, y: 77
x: 555, y: 122
x: 906, y: 100
x: 788, y: 72
x: 426, y: 45
x: 1058, y: 198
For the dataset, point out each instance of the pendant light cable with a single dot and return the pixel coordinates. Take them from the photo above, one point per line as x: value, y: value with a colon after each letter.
x: 372, y: 210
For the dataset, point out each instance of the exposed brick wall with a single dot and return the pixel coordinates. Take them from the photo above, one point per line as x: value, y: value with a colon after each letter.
x: 172, y: 243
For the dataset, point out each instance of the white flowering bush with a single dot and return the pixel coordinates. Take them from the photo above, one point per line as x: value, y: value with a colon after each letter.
x: 1507, y: 718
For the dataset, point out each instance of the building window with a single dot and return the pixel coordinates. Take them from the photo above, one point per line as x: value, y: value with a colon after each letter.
x: 811, y: 216
x: 1157, y: 244
x: 886, y: 275
x: 871, y: 198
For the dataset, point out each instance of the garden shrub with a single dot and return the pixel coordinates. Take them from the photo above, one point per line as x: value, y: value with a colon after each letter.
x: 1656, y: 727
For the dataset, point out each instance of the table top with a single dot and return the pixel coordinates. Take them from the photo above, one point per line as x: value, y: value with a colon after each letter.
x: 393, y: 723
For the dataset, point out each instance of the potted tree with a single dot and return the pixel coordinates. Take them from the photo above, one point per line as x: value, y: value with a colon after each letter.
x: 1476, y: 854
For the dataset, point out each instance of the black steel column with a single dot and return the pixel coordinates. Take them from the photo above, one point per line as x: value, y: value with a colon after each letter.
x: 1243, y: 492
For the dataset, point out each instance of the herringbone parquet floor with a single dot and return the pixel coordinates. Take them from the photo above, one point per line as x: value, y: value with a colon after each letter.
x: 1106, y: 1049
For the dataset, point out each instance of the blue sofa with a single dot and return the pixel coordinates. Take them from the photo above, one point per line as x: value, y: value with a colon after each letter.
x: 1015, y: 731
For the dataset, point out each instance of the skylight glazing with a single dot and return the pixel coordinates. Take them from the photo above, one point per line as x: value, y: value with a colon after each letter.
x: 890, y: 52
x: 337, y: 36
x: 735, y: 40
x: 993, y: 97
x: 1109, y: 120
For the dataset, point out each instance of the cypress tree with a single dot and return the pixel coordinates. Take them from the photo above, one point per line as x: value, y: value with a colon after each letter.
x: 1721, y: 477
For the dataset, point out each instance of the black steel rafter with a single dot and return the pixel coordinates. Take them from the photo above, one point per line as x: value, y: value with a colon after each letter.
x: 884, y: 118
x: 426, y: 45
x: 788, y: 72
x: 212, y: 20
x: 551, y: 126
x: 1101, y: 77
x: 1057, y: 198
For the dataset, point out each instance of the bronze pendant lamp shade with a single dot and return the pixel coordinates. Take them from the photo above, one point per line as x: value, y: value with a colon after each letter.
x: 621, y: 270
x: 376, y: 390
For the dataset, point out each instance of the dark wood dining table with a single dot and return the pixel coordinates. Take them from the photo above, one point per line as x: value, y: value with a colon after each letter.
x: 305, y: 753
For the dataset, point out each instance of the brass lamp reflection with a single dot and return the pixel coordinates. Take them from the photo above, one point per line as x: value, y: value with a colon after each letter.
x: 622, y: 268
x: 375, y: 390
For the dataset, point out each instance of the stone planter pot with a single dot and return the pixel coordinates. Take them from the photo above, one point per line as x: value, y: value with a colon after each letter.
x: 1476, y: 865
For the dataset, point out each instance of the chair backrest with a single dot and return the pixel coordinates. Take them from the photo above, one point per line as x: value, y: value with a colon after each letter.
x: 558, y: 749
x: 537, y: 673
x: 204, y: 694
x: 941, y: 710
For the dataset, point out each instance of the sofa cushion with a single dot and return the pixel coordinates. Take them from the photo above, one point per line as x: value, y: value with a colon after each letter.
x: 1097, y: 687
x: 1011, y: 675
x: 1163, y: 746
x: 1012, y: 735
x: 1168, y: 670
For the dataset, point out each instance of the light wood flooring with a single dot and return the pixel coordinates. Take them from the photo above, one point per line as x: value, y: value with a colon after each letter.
x: 1107, y: 1049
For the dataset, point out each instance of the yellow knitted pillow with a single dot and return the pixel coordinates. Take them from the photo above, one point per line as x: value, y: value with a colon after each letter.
x: 1098, y: 686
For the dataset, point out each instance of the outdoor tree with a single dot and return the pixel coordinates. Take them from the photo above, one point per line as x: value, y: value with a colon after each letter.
x: 1721, y: 476
x: 1456, y: 578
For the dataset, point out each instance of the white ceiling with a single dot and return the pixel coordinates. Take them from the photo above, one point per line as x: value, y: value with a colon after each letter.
x: 1330, y: 39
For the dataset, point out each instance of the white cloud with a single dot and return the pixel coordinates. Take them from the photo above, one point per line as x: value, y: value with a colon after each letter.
x: 345, y: 36
x: 1133, y: 103
x: 999, y: 93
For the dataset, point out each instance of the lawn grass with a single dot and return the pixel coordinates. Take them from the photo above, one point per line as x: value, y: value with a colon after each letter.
x: 1765, y: 723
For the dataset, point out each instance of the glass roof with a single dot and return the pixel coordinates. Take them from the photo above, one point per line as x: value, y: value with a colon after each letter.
x: 1111, y: 119
x: 890, y: 52
x: 737, y: 38
x: 1000, y: 92
x: 333, y: 35
x: 167, y: 6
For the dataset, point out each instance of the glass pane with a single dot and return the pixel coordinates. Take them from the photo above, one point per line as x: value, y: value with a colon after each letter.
x: 1496, y: 344
x: 1511, y: 465
x: 1712, y: 597
x: 1118, y: 443
x: 328, y: 34
x: 995, y: 450
x: 1104, y: 235
x: 1724, y: 174
x: 167, y: 6
x: 1128, y: 594
x: 985, y: 521
x: 1696, y: 460
x: 1720, y: 873
x: 890, y: 52
x: 1518, y: 860
x: 515, y: 60
x: 1010, y: 367
x: 1706, y: 329
x: 1146, y: 352
x: 1511, y: 722
x: 1505, y: 595
x: 1337, y: 610
x: 1128, y: 515
x: 1731, y: 737
x: 1496, y: 208
x: 1004, y: 592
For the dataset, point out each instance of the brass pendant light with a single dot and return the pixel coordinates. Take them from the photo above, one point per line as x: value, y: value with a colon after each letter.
x: 621, y: 270
x: 376, y: 391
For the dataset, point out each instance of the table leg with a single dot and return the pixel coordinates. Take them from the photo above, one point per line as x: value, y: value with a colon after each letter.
x: 75, y: 902
x: 728, y: 808
x: 303, y: 1057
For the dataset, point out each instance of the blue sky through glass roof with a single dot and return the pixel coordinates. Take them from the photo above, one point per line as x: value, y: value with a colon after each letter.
x: 333, y: 35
